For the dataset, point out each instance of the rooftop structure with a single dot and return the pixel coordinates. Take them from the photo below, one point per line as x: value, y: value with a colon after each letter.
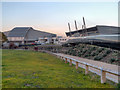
x: 96, y: 30
x: 27, y: 34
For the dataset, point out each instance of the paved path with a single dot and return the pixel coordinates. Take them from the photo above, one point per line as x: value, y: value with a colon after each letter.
x: 97, y: 63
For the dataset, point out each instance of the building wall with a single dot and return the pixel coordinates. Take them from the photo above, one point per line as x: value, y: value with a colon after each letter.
x: 108, y: 30
x: 95, y: 31
x: 35, y: 35
x: 15, y: 38
x: 31, y: 35
x: 28, y: 35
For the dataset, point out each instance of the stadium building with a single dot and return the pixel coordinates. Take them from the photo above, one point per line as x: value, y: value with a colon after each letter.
x: 96, y: 30
x: 28, y: 35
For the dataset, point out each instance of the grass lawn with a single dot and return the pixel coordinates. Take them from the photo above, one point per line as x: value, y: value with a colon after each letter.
x: 29, y: 69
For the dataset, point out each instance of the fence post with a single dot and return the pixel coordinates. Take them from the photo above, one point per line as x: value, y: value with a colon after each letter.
x: 58, y: 56
x: 70, y: 62
x: 76, y: 65
x: 103, y: 76
x: 61, y: 57
x: 86, y: 69
x: 65, y: 60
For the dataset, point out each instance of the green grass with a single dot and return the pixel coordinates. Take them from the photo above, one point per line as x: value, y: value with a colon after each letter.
x: 28, y: 69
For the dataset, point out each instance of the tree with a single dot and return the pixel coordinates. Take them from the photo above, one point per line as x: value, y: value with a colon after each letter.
x: 3, y: 38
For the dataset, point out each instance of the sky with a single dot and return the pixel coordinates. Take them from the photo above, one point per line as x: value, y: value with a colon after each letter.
x: 54, y: 16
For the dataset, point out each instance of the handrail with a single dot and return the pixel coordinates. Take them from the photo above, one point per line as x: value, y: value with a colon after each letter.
x: 109, y: 71
x: 103, y: 71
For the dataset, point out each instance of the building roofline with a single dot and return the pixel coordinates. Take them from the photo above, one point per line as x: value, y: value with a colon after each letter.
x: 94, y: 27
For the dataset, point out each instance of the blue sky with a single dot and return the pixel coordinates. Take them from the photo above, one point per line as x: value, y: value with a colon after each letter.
x: 54, y: 16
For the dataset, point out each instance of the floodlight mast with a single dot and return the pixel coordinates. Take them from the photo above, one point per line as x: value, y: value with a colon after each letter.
x: 84, y: 23
x: 69, y: 29
x: 76, y: 25
x: 84, y: 27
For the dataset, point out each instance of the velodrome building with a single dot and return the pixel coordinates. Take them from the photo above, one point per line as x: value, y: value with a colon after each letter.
x: 29, y: 35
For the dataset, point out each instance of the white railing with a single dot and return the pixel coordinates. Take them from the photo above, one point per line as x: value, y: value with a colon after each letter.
x: 87, y: 65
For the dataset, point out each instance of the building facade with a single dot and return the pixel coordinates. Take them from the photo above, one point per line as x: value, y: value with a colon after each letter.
x: 96, y: 30
x: 27, y: 35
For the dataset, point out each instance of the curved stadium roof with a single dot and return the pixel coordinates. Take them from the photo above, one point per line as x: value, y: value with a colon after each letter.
x: 22, y: 32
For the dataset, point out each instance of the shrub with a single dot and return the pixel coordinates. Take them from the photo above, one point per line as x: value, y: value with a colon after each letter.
x: 100, y: 50
x: 97, y: 52
x: 93, y: 54
x: 74, y: 53
x: 108, y: 51
x: 104, y: 55
x: 86, y: 55
x: 116, y: 59
x: 93, y: 48
x: 84, y: 52
x: 79, y: 54
x: 82, y: 46
x: 97, y: 58
x: 112, y: 60
x: 70, y: 52
x: 115, y: 54
x: 89, y: 52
